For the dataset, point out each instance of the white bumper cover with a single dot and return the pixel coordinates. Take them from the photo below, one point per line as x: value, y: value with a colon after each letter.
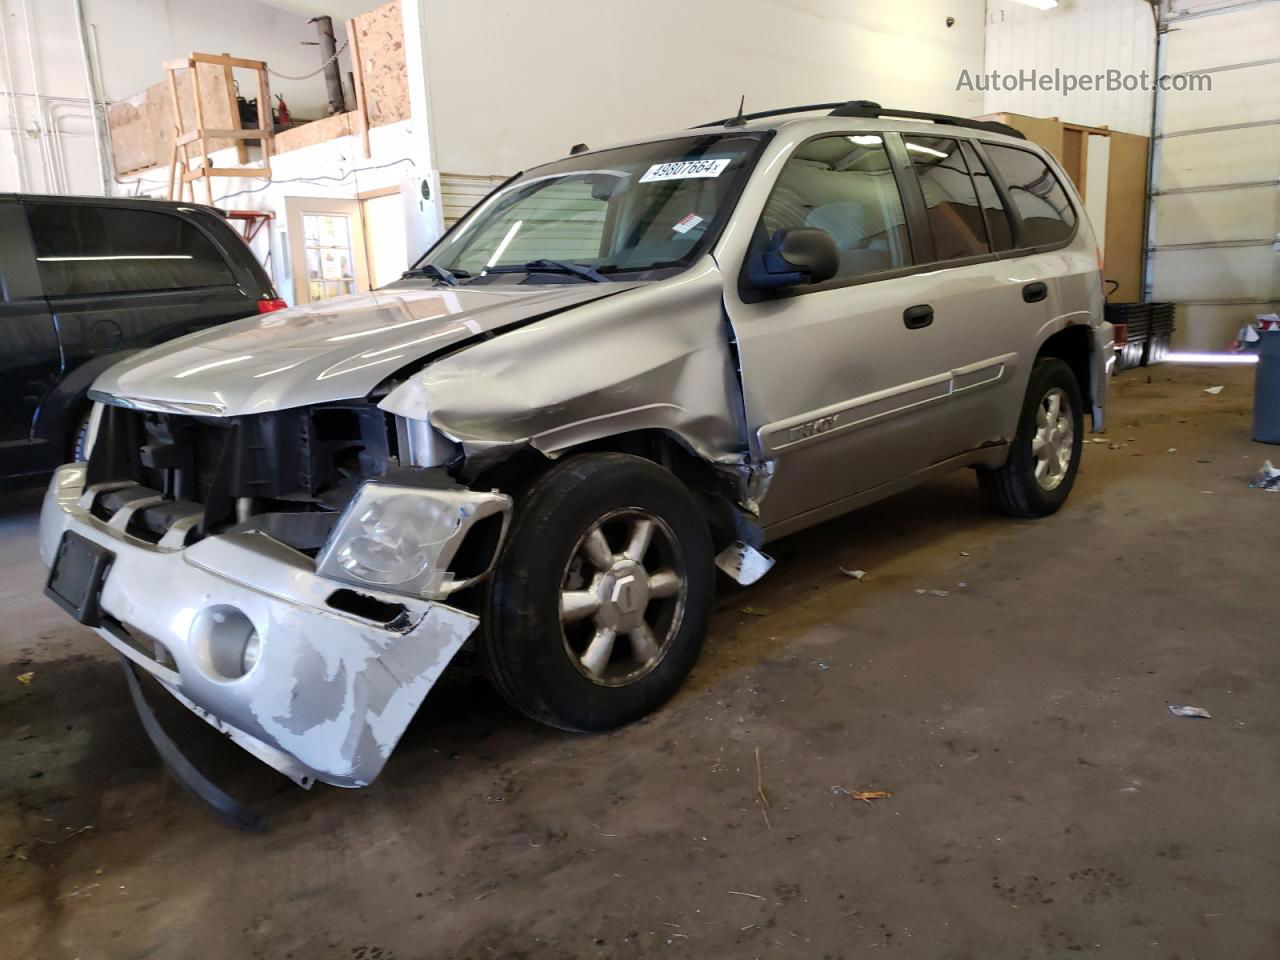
x: 330, y: 693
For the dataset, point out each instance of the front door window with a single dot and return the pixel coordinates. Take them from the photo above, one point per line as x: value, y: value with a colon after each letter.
x: 330, y: 261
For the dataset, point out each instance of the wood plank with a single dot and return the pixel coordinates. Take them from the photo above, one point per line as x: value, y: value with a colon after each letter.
x: 1126, y: 209
x: 222, y: 60
x: 242, y: 148
x: 380, y: 192
x: 362, y: 116
x: 205, y: 172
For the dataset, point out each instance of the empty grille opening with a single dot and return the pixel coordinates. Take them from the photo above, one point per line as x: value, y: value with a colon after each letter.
x: 366, y: 607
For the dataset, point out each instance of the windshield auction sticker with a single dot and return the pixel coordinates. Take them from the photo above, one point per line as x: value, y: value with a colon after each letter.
x: 685, y: 170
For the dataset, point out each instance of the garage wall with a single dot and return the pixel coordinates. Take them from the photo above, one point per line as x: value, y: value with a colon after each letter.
x: 1082, y: 37
x: 1215, y: 226
x: 40, y: 54
x: 515, y: 84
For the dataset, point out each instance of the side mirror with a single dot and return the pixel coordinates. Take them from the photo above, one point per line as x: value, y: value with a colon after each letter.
x: 794, y: 256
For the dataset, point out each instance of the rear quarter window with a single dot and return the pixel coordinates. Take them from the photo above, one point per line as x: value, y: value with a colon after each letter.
x: 1037, y: 194
x: 85, y: 250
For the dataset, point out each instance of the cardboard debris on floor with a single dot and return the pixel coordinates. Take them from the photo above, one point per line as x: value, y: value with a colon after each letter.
x: 1180, y: 710
x: 1214, y: 390
x: 866, y: 796
x: 853, y: 574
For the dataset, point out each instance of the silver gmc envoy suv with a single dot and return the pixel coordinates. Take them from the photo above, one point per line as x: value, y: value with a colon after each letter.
x: 620, y: 371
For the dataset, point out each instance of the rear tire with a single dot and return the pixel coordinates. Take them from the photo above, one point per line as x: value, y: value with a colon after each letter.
x: 599, y: 604
x: 1043, y: 461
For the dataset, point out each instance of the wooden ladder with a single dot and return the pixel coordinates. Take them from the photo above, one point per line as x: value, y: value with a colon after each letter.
x: 182, y: 176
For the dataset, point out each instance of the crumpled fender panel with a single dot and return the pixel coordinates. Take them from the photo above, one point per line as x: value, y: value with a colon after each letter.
x: 654, y: 357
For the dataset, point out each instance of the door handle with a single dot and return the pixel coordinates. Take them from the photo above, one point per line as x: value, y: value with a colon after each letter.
x: 918, y: 317
x: 1035, y: 292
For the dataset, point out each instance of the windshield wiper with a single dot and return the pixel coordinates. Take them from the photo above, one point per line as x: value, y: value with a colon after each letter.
x: 554, y: 266
x: 451, y: 277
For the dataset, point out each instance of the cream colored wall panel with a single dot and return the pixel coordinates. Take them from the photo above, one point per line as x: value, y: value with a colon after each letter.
x: 1238, y: 96
x: 515, y: 84
x: 1083, y: 37
x: 1233, y: 273
x: 1238, y: 37
x: 1212, y: 328
x: 1228, y: 156
x: 1217, y: 216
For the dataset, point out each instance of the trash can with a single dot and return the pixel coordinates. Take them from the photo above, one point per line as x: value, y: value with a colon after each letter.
x: 1266, y: 393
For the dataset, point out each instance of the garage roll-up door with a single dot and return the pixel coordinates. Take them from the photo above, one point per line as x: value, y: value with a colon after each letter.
x: 459, y: 192
x: 1215, y: 215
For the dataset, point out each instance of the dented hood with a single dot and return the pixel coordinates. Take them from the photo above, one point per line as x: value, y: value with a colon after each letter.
x: 335, y: 350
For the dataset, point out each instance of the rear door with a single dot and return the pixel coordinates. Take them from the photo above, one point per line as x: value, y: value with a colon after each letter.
x: 29, y: 358
x: 990, y: 304
x: 845, y: 386
x: 120, y: 278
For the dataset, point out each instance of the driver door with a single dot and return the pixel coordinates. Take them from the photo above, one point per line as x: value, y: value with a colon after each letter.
x: 846, y: 382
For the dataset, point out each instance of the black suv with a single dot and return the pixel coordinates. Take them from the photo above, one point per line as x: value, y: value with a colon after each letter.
x: 87, y: 281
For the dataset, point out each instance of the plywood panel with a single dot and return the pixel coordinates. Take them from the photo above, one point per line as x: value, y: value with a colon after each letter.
x: 142, y: 125
x: 1126, y: 210
x: 1046, y: 131
x: 382, y: 64
x: 1211, y: 328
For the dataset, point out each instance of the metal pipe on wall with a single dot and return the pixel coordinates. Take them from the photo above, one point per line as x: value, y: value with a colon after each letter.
x: 19, y: 156
x: 332, y: 72
x: 94, y: 94
x: 46, y: 158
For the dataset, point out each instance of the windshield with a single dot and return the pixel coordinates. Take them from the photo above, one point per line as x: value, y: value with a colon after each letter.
x: 644, y: 207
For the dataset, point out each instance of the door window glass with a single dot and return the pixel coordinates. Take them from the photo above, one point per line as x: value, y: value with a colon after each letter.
x: 1041, y: 201
x: 999, y: 230
x: 949, y: 196
x: 88, y: 249
x: 845, y: 186
x: 330, y: 259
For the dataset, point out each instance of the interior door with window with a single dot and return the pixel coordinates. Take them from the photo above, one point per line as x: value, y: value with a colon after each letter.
x: 328, y: 254
x: 845, y: 386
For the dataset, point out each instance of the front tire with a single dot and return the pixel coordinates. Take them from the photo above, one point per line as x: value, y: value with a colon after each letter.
x: 1041, y: 469
x: 599, y: 605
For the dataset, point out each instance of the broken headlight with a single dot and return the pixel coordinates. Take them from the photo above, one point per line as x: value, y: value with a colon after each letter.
x: 403, y: 539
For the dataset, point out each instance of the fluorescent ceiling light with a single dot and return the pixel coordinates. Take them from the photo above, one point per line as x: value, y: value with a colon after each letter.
x: 1040, y: 4
x: 137, y: 256
x: 1194, y: 357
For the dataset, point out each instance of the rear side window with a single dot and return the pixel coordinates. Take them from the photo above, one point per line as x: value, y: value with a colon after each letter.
x: 1041, y: 201
x: 959, y: 229
x: 83, y: 250
x: 999, y: 230
x: 845, y: 186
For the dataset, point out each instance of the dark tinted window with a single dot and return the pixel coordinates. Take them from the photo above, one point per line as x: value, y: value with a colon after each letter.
x: 949, y: 196
x: 844, y: 185
x: 1047, y: 216
x: 999, y: 230
x: 89, y: 249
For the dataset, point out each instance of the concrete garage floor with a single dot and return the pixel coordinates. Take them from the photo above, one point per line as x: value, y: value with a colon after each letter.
x: 1045, y: 803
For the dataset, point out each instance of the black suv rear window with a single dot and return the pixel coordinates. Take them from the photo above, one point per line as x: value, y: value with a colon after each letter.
x: 89, y: 249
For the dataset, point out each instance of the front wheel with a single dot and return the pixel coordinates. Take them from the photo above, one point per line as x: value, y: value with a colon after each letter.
x: 1041, y: 470
x: 598, y: 607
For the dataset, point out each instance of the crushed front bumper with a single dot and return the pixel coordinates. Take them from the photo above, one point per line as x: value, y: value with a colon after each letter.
x: 330, y: 693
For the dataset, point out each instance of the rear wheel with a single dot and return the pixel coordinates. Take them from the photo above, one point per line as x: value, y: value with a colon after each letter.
x: 598, y: 608
x: 1041, y: 469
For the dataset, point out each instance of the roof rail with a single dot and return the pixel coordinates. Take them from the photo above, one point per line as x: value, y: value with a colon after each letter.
x: 870, y: 110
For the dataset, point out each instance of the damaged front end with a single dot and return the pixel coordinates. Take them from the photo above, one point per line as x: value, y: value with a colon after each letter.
x: 278, y: 573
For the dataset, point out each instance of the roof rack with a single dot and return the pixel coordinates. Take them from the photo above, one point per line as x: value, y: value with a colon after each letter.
x: 869, y: 109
